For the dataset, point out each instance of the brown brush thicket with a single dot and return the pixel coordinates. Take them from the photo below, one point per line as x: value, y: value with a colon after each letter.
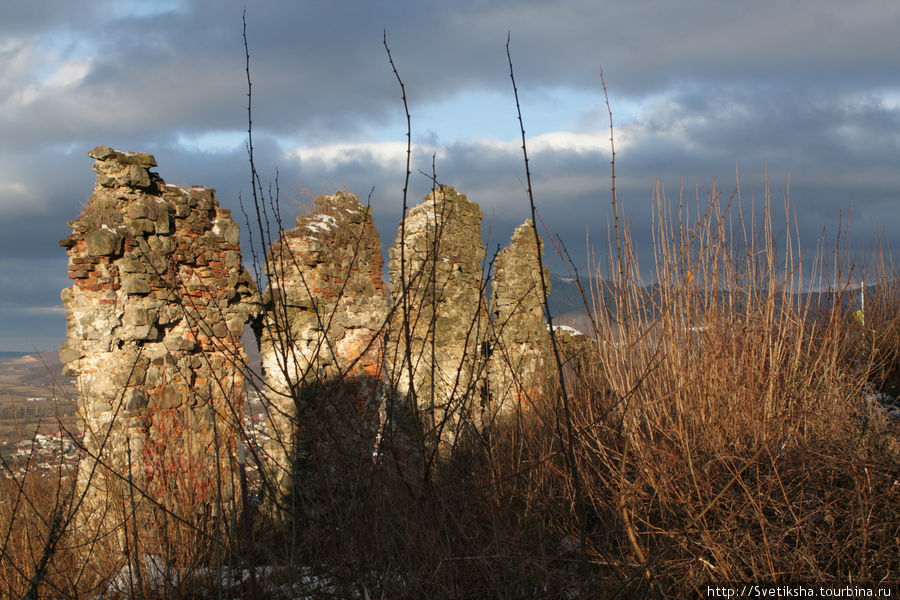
x: 717, y: 425
x: 724, y: 429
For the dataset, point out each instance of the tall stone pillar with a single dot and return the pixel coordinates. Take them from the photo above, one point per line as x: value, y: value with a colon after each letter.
x: 321, y: 341
x: 520, y: 340
x: 155, y: 314
x: 436, y: 298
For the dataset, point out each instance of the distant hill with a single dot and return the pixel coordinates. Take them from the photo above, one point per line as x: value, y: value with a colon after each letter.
x: 34, y: 396
x: 33, y: 376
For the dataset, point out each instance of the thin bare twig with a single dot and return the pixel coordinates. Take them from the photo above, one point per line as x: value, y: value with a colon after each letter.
x: 564, y: 396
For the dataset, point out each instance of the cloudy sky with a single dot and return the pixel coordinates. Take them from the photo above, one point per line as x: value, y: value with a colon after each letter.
x: 810, y: 87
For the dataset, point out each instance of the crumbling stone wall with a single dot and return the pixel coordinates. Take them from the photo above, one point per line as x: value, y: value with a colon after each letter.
x: 321, y: 339
x: 520, y: 331
x: 159, y: 301
x: 155, y: 314
x: 439, y: 295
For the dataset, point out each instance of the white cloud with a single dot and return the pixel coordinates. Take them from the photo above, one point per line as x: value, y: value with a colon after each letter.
x: 386, y: 155
x: 392, y: 155
x: 39, y: 310
x: 140, y: 10
x: 17, y: 198
x: 49, y: 82
x: 212, y: 142
x: 568, y: 141
x: 68, y: 73
x: 31, y: 73
x: 891, y: 99
x: 12, y: 188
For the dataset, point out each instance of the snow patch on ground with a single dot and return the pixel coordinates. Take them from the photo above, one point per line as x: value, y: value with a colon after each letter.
x: 161, y: 579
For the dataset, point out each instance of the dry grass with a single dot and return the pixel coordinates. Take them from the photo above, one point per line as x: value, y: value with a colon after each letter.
x: 729, y: 439
x: 721, y: 435
x: 712, y: 427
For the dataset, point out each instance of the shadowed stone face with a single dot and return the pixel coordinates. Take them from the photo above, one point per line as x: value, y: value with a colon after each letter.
x: 155, y: 314
x: 321, y: 337
x: 436, y: 294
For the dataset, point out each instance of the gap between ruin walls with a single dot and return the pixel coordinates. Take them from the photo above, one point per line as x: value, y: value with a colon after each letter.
x: 160, y: 300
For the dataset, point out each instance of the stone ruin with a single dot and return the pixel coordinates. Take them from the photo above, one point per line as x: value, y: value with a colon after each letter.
x: 321, y: 338
x: 155, y: 314
x: 520, y: 335
x: 438, y: 319
x: 160, y: 300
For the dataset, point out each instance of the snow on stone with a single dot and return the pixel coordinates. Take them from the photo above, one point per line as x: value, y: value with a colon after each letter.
x: 567, y: 329
x: 321, y: 223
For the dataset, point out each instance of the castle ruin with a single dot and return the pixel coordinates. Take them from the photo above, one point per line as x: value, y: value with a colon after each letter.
x: 158, y: 303
x: 160, y: 299
x: 321, y: 339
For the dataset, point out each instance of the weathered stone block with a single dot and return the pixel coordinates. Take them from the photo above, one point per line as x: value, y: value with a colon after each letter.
x: 102, y: 153
x: 103, y: 242
x: 138, y: 176
x: 227, y: 228
x: 232, y: 259
x: 154, y: 377
x: 131, y: 264
x: 137, y: 286
x: 138, y: 315
x: 171, y: 397
x: 68, y: 353
x: 142, y: 227
x: 161, y: 244
x: 139, y: 159
x: 135, y: 399
x: 163, y: 223
x: 138, y: 210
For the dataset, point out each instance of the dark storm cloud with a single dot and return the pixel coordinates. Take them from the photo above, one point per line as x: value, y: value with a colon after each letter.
x: 320, y: 71
x: 809, y: 87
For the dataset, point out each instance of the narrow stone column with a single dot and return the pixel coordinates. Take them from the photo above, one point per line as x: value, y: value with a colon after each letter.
x: 520, y: 330
x: 155, y: 314
x: 321, y: 341
x: 437, y: 299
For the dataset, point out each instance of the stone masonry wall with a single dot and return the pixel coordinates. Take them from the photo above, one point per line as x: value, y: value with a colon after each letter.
x: 155, y: 314
x: 321, y: 340
x: 520, y: 331
x: 159, y: 301
x: 441, y: 284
